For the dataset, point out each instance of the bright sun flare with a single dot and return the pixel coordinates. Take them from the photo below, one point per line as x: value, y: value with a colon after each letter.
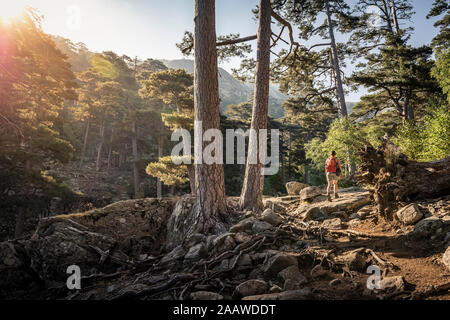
x: 11, y: 9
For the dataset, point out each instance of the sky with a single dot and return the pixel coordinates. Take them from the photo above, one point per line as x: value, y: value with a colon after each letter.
x: 151, y: 28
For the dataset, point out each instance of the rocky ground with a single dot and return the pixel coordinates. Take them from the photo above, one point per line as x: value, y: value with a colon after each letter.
x: 300, y: 247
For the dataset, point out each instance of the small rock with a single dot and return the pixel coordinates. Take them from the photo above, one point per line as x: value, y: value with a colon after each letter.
x: 271, y: 217
x: 410, y: 214
x: 392, y: 284
x: 446, y: 258
x: 196, y: 252
x: 310, y: 193
x: 354, y: 260
x: 293, y: 188
x: 175, y: 254
x: 205, y: 295
x: 425, y: 228
x: 335, y: 223
x: 278, y: 262
x: 241, y: 237
x: 251, y: 288
x: 227, y: 244
x: 260, y: 226
x: 292, y: 273
x: 243, y: 225
x: 314, y: 213
x: 244, y: 261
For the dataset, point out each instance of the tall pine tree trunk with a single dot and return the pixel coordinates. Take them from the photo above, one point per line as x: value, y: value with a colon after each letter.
x: 335, y: 64
x: 86, y: 136
x: 251, y: 196
x: 100, y: 147
x: 209, y: 178
x: 111, y: 140
x: 191, y: 175
x: 160, y: 155
x: 135, y: 159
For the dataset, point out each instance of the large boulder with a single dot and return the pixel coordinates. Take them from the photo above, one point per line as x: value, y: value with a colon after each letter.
x: 310, y: 193
x: 410, y: 214
x: 293, y: 188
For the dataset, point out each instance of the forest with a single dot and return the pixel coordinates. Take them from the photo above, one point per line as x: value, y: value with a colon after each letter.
x: 88, y: 176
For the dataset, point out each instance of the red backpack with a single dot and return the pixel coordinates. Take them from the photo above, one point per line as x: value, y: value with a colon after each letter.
x: 331, y: 165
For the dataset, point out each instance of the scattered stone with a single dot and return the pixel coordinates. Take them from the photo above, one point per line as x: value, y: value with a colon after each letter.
x: 354, y: 260
x: 195, y: 239
x: 176, y: 254
x: 196, y: 252
x: 224, y: 242
x: 446, y: 258
x: 251, y: 288
x: 425, y: 228
x: 392, y: 284
x: 243, y: 225
x: 314, y: 213
x: 260, y: 226
x: 279, y: 262
x: 292, y: 273
x: 410, y: 214
x: 310, y: 193
x: 205, y: 295
x: 293, y: 188
x: 302, y: 294
x: 271, y: 217
x: 335, y: 223
x: 241, y: 237
x: 245, y: 261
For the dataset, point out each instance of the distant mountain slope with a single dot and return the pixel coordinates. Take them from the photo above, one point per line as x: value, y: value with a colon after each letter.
x: 233, y: 91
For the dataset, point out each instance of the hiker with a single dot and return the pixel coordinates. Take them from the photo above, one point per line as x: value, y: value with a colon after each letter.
x: 333, y: 172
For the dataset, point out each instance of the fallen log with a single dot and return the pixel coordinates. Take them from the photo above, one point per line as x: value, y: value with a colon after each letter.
x: 396, y: 180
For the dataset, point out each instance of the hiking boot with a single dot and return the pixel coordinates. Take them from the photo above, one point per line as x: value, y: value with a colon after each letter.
x: 336, y: 196
x: 329, y: 197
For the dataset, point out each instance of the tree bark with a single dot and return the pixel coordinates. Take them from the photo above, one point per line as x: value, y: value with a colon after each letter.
x: 251, y: 196
x: 209, y: 178
x: 396, y: 180
x: 394, y: 16
x: 86, y: 136
x: 135, y: 159
x: 100, y: 147
x: 191, y: 175
x: 111, y: 140
x: 335, y: 64
x: 160, y: 155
